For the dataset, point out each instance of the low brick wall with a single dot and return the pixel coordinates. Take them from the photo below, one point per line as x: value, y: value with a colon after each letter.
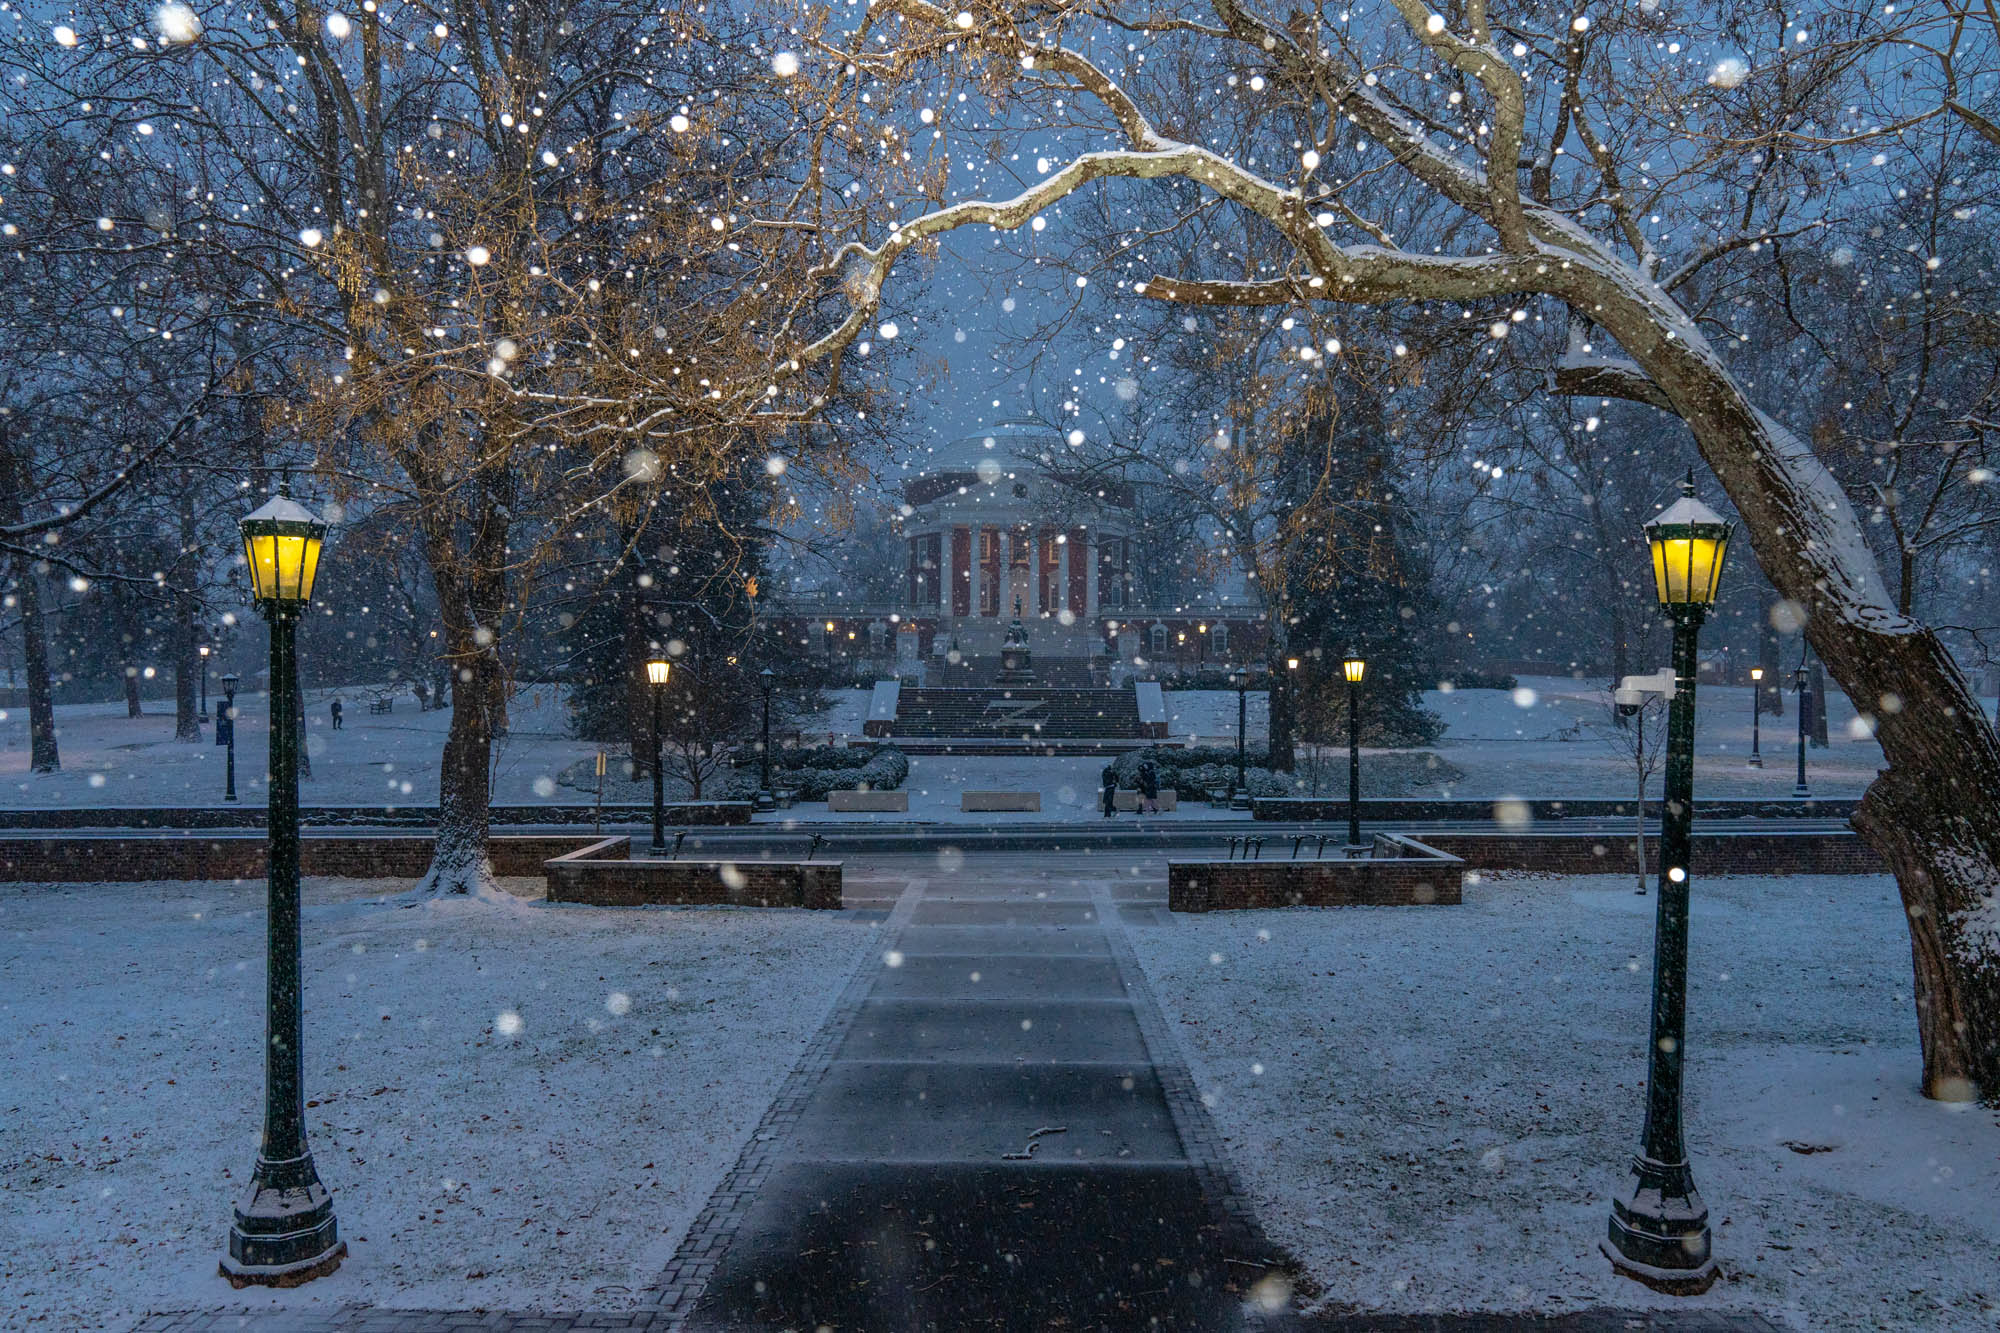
x: 54, y: 860
x: 604, y: 875
x: 706, y: 813
x: 1378, y: 881
x: 1833, y: 852
x: 1414, y: 809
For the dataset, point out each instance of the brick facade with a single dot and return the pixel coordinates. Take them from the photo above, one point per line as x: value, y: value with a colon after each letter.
x: 603, y: 874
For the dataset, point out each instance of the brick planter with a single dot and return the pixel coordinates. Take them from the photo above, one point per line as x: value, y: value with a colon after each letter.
x: 604, y: 875
x: 58, y: 860
x: 1400, y: 872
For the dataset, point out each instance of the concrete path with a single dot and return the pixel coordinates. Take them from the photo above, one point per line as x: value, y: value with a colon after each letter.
x: 1002, y: 1136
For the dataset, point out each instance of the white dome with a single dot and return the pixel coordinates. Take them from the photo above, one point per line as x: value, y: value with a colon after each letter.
x: 1011, y: 445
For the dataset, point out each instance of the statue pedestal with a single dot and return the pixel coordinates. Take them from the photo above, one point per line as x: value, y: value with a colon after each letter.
x: 1017, y: 664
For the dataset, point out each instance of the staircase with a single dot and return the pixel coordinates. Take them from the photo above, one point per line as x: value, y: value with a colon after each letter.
x: 978, y: 673
x: 1025, y: 719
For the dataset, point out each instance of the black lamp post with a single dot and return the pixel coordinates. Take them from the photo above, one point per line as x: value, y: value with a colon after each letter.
x: 285, y: 1232
x: 1756, y: 713
x: 203, y: 650
x: 1802, y: 682
x: 657, y: 670
x: 1658, y: 1232
x: 767, y: 679
x: 1354, y: 667
x: 1239, y: 794
x: 225, y: 734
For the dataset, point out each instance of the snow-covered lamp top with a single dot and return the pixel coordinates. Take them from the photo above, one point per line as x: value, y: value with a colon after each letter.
x: 1689, y: 541
x: 281, y: 542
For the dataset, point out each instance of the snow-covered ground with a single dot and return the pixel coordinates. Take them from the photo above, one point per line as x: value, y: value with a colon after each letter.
x: 1549, y: 738
x: 553, y: 1166
x: 1432, y: 1106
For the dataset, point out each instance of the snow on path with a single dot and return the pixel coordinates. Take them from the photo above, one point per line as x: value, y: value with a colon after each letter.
x: 553, y: 1169
x: 1432, y: 1106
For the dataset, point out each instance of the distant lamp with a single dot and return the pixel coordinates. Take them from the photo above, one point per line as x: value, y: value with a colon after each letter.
x: 1291, y: 664
x: 1354, y: 668
x: 203, y: 650
x: 282, y: 541
x: 1689, y: 542
x: 657, y: 670
x: 1756, y: 673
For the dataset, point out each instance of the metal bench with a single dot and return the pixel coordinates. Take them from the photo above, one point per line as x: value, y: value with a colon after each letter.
x: 384, y: 705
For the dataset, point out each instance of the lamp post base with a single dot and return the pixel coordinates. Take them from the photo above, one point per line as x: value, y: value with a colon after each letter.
x: 1658, y: 1233
x: 1756, y: 761
x: 1802, y: 793
x: 1240, y: 801
x: 765, y: 801
x: 284, y: 1235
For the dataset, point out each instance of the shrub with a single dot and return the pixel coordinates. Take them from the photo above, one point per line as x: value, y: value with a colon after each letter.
x: 1470, y: 678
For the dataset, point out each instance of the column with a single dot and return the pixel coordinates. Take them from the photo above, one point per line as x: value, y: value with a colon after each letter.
x: 944, y: 573
x: 1090, y: 564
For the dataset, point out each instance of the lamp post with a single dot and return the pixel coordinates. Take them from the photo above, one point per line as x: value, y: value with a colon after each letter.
x: 1239, y: 796
x: 1658, y: 1233
x: 1756, y: 713
x: 1354, y: 667
x: 225, y: 734
x: 1802, y: 682
x: 203, y: 650
x: 766, y: 681
x: 284, y: 1233
x: 657, y: 670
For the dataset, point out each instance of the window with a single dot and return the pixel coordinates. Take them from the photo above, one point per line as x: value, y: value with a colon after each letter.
x: 1219, y: 639
x: 1158, y: 634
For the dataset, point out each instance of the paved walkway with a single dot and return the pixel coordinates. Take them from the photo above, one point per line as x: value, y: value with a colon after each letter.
x: 992, y: 1130
x: 1000, y: 1138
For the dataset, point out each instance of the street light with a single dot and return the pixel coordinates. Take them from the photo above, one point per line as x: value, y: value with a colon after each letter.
x: 1239, y: 795
x: 284, y: 1233
x: 1802, y: 682
x: 1354, y: 667
x: 225, y: 733
x: 1756, y: 713
x: 1658, y: 1233
x: 766, y: 681
x: 203, y: 650
x: 657, y: 670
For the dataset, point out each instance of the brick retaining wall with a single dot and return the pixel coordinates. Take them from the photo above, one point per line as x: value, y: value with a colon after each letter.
x: 241, y: 856
x: 1415, y: 809
x: 603, y: 874
x: 1834, y: 852
x: 1402, y: 873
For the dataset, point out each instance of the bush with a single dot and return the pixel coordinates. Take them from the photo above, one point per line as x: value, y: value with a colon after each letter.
x: 883, y: 769
x: 1208, y: 678
x: 1195, y: 771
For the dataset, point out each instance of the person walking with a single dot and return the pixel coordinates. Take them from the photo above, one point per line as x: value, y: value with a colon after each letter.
x: 1149, y: 788
x: 336, y: 715
x: 1110, y: 789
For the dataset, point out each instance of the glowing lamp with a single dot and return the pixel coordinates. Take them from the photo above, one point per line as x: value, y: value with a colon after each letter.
x: 1353, y: 667
x: 281, y: 542
x: 1689, y: 542
x: 657, y: 669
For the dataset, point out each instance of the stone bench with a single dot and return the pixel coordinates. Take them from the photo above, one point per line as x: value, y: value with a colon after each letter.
x: 989, y: 801
x: 872, y: 802
x: 1129, y: 800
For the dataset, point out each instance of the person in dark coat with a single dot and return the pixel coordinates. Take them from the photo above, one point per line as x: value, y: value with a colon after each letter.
x: 336, y: 715
x: 1110, y: 789
x: 1149, y: 788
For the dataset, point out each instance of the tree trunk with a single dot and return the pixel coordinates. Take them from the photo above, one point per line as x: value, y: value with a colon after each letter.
x: 1934, y: 812
x: 187, y: 657
x: 1818, y: 677
x: 132, y: 708
x: 43, y: 756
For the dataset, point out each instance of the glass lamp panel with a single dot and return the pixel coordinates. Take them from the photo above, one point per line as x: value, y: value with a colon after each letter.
x: 656, y: 673
x: 1354, y: 667
x: 309, y: 570
x: 262, y: 554
x: 291, y: 556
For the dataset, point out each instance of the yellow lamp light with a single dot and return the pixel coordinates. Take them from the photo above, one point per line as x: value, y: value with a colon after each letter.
x: 281, y: 543
x: 1689, y: 542
x: 1756, y: 673
x: 1353, y: 667
x: 657, y: 669
x: 1291, y: 664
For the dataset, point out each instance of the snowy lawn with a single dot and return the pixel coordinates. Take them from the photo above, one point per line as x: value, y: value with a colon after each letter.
x: 1432, y: 1106
x: 553, y: 1168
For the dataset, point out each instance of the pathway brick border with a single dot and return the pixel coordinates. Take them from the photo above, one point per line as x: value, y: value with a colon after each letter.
x: 1229, y: 1205
x: 674, y: 1293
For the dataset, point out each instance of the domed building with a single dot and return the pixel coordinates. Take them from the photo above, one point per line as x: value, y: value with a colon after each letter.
x: 1009, y: 523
